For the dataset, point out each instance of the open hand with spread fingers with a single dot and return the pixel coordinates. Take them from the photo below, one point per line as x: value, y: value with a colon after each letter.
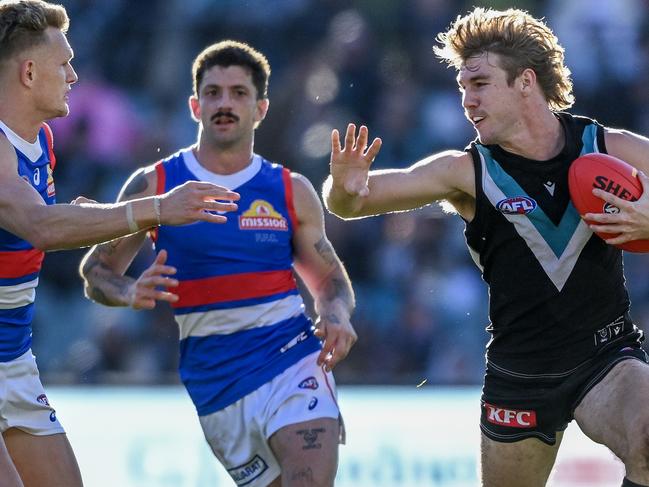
x: 145, y: 292
x: 631, y: 222
x: 350, y: 164
x: 194, y: 201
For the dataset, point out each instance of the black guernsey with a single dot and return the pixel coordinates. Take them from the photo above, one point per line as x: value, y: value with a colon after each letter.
x: 557, y: 291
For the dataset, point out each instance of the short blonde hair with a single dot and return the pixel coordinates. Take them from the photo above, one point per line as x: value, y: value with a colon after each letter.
x: 520, y: 40
x: 23, y: 24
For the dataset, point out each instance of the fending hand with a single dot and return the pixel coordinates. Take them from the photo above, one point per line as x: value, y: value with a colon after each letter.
x: 350, y: 164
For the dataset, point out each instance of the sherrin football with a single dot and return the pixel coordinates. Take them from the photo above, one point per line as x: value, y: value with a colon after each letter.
x: 609, y: 174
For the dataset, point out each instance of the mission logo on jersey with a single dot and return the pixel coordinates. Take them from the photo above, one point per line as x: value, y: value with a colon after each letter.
x: 518, y: 205
x: 262, y: 216
x: 50, y: 182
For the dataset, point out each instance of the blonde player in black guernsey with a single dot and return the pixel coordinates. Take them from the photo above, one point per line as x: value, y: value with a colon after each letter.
x: 563, y: 343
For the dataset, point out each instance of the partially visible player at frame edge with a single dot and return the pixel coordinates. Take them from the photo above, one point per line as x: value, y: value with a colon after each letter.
x: 36, y: 76
x: 563, y: 344
x: 258, y: 375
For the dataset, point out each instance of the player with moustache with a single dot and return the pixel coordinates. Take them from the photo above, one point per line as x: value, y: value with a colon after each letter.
x: 563, y: 345
x: 36, y: 76
x: 258, y: 374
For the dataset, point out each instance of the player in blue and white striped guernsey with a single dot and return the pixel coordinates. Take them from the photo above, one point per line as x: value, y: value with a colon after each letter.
x: 258, y: 374
x: 35, y: 78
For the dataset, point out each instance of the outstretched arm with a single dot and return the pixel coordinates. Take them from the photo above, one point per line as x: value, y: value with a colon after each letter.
x: 320, y: 268
x: 353, y: 191
x: 24, y: 213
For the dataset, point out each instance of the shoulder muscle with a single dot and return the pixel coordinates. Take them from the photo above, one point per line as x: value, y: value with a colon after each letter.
x: 140, y: 184
x: 629, y: 147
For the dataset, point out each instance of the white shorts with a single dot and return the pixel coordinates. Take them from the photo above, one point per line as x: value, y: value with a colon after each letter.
x: 23, y: 403
x: 239, y: 433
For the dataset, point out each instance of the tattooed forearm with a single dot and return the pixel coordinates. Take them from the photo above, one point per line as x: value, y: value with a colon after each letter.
x: 102, y: 284
x: 88, y: 266
x: 96, y: 294
x: 111, y: 290
x: 331, y: 318
x: 91, y: 263
x: 108, y: 248
x: 311, y: 438
x: 325, y: 250
x: 338, y: 288
x: 138, y: 184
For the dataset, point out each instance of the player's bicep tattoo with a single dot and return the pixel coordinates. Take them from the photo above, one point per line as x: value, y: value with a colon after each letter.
x: 138, y: 184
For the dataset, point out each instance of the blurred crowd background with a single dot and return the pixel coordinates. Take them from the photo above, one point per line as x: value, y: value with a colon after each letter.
x: 422, y: 307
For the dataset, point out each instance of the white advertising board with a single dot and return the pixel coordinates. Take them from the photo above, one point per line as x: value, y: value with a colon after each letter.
x: 396, y: 437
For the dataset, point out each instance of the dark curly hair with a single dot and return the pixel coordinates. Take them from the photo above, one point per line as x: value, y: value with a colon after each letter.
x: 233, y: 53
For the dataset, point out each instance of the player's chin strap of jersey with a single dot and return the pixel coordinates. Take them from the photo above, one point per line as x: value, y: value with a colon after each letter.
x: 627, y: 483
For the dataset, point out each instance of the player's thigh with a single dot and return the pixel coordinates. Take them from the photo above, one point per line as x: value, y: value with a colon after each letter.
x: 615, y: 411
x: 307, y: 452
x: 8, y: 473
x: 525, y: 463
x: 43, y: 460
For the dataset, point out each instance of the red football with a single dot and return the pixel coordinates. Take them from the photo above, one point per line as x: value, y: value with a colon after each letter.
x: 609, y: 174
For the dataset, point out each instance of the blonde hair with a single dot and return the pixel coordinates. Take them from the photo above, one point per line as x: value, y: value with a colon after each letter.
x: 23, y: 24
x: 520, y: 40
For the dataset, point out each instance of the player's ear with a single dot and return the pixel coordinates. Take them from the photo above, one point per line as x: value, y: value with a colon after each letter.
x: 262, y: 109
x: 27, y: 72
x: 195, y: 108
x: 527, y: 80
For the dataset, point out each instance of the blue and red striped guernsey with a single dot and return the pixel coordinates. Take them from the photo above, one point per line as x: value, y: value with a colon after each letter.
x: 20, y: 262
x: 241, y: 318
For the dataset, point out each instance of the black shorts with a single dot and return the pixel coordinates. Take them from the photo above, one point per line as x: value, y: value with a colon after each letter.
x: 515, y: 408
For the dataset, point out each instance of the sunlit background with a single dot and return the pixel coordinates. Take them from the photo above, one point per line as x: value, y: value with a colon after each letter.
x: 422, y: 307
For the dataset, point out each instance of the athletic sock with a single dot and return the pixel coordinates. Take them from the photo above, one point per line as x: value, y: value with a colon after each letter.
x: 627, y: 483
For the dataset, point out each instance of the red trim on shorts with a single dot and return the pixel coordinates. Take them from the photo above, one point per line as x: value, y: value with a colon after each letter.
x: 331, y: 391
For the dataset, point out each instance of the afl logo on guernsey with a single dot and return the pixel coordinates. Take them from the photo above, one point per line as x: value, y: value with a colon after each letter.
x: 262, y: 216
x: 518, y: 205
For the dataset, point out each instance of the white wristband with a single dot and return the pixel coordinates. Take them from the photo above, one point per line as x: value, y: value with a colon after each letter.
x: 132, y: 224
x: 156, y: 208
